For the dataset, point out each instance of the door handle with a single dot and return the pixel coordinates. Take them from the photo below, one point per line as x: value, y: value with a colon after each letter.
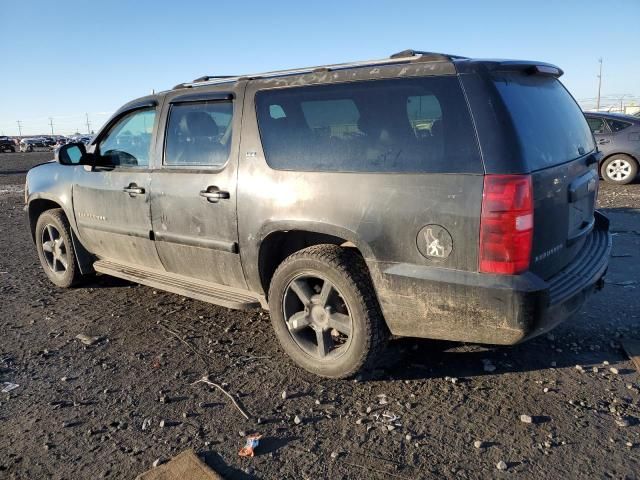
x: 602, y: 141
x: 214, y: 194
x: 133, y: 190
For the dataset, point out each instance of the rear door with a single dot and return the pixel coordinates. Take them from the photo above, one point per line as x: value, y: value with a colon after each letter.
x: 193, y: 206
x: 557, y: 148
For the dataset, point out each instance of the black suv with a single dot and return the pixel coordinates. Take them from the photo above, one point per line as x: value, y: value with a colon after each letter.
x: 422, y: 195
x: 7, y: 145
x: 618, y: 138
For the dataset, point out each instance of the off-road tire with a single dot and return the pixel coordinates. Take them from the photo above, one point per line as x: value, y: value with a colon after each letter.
x: 633, y: 166
x: 347, y: 270
x: 71, y: 276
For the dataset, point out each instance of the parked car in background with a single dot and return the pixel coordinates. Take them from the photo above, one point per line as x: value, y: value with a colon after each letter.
x: 31, y: 144
x: 618, y: 138
x: 7, y: 145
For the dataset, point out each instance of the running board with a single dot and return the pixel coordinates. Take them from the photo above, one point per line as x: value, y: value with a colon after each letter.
x: 207, y: 292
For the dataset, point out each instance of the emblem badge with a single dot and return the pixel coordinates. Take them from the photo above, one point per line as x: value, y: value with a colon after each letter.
x: 434, y: 242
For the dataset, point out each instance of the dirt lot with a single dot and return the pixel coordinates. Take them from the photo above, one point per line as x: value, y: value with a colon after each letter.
x: 111, y: 409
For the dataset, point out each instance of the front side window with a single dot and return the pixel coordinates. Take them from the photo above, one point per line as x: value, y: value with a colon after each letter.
x: 617, y: 125
x: 129, y: 141
x: 596, y: 125
x: 199, y: 134
x: 405, y: 125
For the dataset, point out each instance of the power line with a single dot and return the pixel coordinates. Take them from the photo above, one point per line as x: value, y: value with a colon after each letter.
x: 88, y: 124
x: 20, y: 128
x: 51, y: 123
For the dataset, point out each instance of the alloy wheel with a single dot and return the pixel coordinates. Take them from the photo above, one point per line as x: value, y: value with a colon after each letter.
x: 619, y: 169
x: 55, y: 250
x: 317, y: 316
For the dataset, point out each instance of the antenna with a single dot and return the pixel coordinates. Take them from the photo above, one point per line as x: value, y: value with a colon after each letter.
x: 51, y: 123
x: 88, y: 124
x: 20, y: 127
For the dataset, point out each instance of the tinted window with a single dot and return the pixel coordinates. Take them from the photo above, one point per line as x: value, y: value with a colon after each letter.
x: 596, y: 125
x: 617, y: 125
x: 128, y: 142
x: 549, y: 124
x: 407, y: 125
x: 199, y: 134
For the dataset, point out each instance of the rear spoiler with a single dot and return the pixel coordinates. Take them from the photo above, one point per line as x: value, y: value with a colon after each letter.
x: 530, y: 68
x: 525, y: 66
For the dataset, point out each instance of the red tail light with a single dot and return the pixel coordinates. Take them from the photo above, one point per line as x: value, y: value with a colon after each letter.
x: 506, y: 224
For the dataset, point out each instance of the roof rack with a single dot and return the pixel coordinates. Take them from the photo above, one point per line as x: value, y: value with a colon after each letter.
x: 206, y: 78
x: 415, y: 53
x: 404, y: 56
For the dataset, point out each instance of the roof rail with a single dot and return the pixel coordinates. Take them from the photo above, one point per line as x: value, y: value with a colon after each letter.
x: 205, y: 78
x: 415, y: 53
x: 401, y: 57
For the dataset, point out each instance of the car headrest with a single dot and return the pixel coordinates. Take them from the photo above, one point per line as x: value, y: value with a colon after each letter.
x: 199, y: 124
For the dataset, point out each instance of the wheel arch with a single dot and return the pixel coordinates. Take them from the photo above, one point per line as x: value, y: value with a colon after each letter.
x: 37, y: 207
x: 40, y: 204
x: 283, y: 240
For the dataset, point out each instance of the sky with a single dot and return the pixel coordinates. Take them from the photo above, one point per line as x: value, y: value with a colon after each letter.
x: 68, y: 59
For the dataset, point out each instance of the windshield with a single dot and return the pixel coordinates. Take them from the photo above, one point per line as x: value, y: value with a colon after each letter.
x: 550, y: 126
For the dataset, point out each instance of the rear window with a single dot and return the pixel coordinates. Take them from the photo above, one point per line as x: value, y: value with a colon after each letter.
x: 550, y: 125
x: 406, y: 125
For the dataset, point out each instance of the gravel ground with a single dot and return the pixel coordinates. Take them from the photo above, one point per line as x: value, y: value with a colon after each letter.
x: 110, y: 409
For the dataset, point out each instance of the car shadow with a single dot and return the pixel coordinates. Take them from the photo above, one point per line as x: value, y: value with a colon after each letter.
x: 419, y: 359
x: 107, y: 281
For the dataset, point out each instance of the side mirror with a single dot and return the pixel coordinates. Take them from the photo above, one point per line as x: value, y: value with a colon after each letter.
x: 71, y: 154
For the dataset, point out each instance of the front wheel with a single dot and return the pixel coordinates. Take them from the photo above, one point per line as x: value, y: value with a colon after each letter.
x: 55, y: 249
x: 325, y: 312
x: 620, y: 169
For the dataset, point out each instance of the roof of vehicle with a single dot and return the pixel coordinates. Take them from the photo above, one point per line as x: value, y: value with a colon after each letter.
x: 614, y: 116
x: 403, y: 57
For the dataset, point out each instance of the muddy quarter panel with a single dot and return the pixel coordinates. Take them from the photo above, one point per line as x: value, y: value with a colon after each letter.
x: 382, y: 209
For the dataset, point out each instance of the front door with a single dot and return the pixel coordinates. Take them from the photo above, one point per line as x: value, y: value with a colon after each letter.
x: 193, y: 205
x: 601, y: 133
x: 111, y: 199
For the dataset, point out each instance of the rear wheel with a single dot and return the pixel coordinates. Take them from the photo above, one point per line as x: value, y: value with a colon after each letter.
x: 325, y: 312
x: 55, y: 249
x: 620, y: 169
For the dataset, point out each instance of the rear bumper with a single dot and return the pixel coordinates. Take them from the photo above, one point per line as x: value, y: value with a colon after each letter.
x: 446, y: 304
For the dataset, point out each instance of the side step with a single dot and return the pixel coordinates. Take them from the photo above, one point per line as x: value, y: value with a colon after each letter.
x: 207, y: 292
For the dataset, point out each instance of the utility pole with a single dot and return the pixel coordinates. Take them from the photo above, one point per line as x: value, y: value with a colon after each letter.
x: 88, y: 124
x: 20, y: 128
x: 599, y: 84
x: 51, y: 123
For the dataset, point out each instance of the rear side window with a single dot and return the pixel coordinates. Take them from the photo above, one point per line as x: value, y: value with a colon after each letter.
x: 617, y: 125
x: 198, y: 134
x: 401, y: 125
x: 549, y: 123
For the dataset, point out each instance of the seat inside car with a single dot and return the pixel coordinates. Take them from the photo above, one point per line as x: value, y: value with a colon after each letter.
x: 198, y: 140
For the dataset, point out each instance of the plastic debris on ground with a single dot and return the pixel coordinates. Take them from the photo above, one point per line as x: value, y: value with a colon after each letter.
x: 251, y: 444
x: 8, y: 386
